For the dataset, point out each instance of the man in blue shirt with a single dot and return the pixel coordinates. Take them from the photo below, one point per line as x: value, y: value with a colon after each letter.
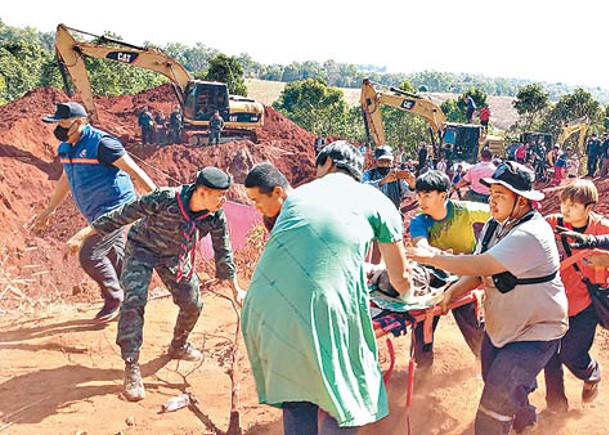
x: 97, y: 171
x: 395, y: 184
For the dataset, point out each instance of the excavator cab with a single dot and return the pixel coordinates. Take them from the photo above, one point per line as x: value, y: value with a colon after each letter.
x: 464, y: 140
x: 202, y: 99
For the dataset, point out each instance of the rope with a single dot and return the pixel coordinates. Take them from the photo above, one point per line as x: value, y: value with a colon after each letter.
x: 145, y: 163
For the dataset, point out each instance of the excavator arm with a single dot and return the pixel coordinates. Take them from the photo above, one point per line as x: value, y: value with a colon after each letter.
x: 371, y: 102
x: 580, y: 126
x: 70, y: 54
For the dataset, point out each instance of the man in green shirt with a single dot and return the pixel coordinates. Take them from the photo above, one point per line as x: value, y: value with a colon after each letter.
x: 306, y: 322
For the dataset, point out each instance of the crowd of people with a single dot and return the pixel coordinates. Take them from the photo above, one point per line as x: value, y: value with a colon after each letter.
x: 306, y: 316
x: 157, y: 129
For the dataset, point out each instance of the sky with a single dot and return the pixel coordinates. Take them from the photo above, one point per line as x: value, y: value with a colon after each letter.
x: 529, y: 39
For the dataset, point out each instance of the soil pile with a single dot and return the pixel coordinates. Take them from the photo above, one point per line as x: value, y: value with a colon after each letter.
x: 29, y: 171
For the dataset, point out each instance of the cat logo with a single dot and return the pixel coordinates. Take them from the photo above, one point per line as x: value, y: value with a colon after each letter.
x: 408, y: 104
x: 123, y: 56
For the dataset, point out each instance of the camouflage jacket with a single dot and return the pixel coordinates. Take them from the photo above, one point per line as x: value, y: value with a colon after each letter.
x: 159, y: 232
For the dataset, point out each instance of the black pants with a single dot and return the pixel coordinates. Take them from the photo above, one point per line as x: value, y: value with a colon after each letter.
x: 575, y: 355
x: 465, y: 316
x: 102, y: 259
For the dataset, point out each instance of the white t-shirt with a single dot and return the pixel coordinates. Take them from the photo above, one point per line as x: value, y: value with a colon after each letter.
x: 529, y: 312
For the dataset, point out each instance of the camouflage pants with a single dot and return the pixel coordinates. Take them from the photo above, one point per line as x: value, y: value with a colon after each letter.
x: 135, y: 279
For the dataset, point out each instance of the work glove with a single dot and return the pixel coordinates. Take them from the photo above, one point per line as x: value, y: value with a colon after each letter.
x: 578, y: 240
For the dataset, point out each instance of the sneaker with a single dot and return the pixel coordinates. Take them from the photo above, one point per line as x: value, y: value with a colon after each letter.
x: 108, y: 313
x: 590, y: 391
x: 185, y: 352
x: 134, y: 386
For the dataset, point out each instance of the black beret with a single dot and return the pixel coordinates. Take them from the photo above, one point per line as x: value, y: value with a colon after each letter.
x: 213, y: 178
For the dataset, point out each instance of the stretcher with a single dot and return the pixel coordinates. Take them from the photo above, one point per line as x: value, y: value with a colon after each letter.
x: 387, y: 323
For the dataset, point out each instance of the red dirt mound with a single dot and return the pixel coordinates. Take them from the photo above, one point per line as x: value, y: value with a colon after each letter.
x: 29, y: 170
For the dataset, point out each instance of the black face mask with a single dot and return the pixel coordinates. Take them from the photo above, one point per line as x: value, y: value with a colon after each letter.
x: 383, y: 171
x: 61, y: 133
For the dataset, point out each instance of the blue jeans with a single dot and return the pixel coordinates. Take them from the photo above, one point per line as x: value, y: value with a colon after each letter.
x: 575, y: 354
x: 509, y: 376
x: 300, y: 418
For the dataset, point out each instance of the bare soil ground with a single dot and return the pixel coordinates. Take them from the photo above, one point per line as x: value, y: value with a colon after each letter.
x: 60, y: 374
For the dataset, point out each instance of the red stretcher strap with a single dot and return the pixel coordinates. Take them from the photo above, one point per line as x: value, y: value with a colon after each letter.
x: 436, y: 310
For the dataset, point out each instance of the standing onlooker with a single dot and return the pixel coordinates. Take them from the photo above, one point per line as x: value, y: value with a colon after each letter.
x: 510, y: 151
x: 560, y: 167
x: 216, y: 125
x: 521, y: 154
x: 176, y: 125
x: 473, y: 178
x: 422, y: 156
x: 146, y: 123
x: 442, y: 165
x: 593, y: 148
x: 395, y: 184
x: 160, y: 127
x: 470, y: 108
x: 604, y: 156
x: 306, y: 321
x: 576, y: 203
x: 485, y: 115
x: 572, y: 164
x: 98, y: 172
x: 525, y: 306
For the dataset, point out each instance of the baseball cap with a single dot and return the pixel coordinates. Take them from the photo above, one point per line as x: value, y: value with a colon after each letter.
x: 517, y: 178
x: 383, y: 152
x: 65, y: 111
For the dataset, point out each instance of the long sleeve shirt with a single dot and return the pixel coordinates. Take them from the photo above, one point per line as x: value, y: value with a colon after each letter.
x: 161, y: 228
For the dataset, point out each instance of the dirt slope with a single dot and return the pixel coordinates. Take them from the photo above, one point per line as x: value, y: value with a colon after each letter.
x: 60, y: 375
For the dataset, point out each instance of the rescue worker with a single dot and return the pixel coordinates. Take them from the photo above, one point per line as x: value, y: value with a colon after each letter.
x: 576, y: 203
x: 146, y: 123
x: 447, y: 225
x: 170, y: 222
x: 268, y: 189
x: 216, y: 125
x: 525, y: 305
x: 98, y: 172
x: 176, y: 125
x: 306, y: 322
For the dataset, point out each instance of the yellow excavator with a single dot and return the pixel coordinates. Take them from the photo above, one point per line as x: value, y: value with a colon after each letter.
x: 198, y: 99
x: 580, y: 126
x: 465, y: 139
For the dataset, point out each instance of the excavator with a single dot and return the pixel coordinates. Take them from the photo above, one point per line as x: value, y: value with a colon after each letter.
x: 580, y: 126
x: 198, y: 99
x: 465, y: 139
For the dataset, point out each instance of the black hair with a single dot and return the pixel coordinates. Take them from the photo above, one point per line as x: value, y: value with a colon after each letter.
x: 345, y: 156
x: 266, y: 177
x: 432, y: 181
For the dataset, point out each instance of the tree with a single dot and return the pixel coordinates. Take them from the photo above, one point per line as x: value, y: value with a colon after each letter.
x: 315, y: 106
x: 227, y: 70
x: 531, y: 103
x: 572, y: 106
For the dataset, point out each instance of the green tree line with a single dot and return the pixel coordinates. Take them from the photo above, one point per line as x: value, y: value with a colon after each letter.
x: 311, y: 97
